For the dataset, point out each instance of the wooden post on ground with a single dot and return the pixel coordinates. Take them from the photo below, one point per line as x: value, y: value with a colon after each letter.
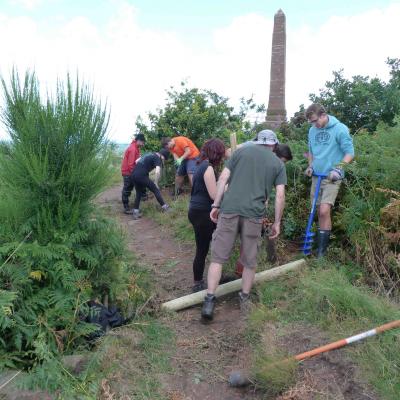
x: 196, y: 298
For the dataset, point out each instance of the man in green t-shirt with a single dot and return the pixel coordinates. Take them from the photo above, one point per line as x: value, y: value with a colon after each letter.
x: 250, y: 173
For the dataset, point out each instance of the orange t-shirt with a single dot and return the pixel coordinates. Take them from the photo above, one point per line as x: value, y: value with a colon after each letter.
x: 180, y: 143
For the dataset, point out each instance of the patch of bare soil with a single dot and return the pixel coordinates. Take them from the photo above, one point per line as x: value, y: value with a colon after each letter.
x: 206, y: 354
x: 331, y: 375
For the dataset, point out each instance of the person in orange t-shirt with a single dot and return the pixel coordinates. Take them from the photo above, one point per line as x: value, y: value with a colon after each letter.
x: 185, y: 154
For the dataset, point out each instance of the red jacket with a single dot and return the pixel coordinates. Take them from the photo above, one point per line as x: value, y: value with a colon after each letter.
x: 132, y: 153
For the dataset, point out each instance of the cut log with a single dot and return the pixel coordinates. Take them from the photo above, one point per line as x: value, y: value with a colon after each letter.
x: 196, y: 298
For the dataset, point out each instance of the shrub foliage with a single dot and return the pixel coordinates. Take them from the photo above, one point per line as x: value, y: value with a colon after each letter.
x: 56, y: 250
x: 366, y: 216
x: 198, y: 115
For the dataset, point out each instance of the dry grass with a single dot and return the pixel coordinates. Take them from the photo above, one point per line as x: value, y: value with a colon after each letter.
x: 306, y: 389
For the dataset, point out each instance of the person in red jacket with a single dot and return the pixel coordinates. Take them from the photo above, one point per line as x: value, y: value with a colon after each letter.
x: 132, y: 153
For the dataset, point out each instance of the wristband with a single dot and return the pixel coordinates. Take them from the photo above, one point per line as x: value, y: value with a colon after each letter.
x: 214, y: 206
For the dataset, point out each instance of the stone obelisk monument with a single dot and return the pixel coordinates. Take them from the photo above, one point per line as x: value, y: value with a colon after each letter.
x: 276, y: 111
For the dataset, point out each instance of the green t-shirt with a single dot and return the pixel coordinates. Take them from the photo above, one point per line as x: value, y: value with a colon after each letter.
x: 254, y: 171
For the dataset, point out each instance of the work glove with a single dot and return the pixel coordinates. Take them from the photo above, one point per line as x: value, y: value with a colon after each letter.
x: 336, y: 174
x: 309, y: 171
x: 178, y: 161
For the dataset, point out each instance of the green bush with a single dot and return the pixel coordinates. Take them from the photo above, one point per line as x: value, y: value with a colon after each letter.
x: 371, y: 182
x: 366, y: 215
x: 56, y: 250
x: 199, y: 115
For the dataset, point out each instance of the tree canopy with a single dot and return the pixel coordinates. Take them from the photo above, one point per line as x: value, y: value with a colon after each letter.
x: 197, y: 114
x: 362, y: 102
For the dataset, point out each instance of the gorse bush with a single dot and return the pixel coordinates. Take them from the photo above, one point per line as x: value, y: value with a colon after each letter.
x: 58, y: 158
x: 56, y: 250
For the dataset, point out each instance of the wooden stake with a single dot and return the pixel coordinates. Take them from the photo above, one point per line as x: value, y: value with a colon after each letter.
x: 196, y: 298
x: 233, y: 142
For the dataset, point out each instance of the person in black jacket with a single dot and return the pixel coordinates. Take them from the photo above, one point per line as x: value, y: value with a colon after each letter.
x: 141, y: 179
x: 202, y: 196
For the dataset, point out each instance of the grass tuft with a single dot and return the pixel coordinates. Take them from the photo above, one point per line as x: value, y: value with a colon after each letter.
x: 274, y: 372
x: 325, y: 297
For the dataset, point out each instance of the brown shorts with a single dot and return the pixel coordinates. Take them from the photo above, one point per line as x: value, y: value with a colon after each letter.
x: 224, y: 237
x: 327, y: 192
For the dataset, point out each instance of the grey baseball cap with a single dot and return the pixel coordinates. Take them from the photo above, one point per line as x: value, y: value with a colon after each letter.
x: 266, y: 136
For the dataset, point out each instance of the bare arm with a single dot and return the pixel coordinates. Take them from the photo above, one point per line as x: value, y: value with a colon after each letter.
x: 279, y: 207
x: 222, y: 181
x: 310, y: 159
x: 348, y: 158
x: 309, y: 171
x: 186, y: 153
x: 157, y: 175
x: 210, y: 181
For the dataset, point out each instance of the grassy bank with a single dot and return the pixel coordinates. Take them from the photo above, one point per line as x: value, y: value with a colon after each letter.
x: 327, y: 296
x: 324, y: 296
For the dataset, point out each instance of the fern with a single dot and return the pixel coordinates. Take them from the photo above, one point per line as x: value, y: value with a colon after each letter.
x: 56, y: 163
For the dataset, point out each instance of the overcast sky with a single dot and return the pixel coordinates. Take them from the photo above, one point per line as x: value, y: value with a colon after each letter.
x: 133, y: 50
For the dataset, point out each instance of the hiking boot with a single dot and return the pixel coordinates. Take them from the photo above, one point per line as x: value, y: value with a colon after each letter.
x: 207, y: 312
x: 198, y: 286
x: 136, y: 214
x: 128, y: 211
x: 245, y: 303
x: 165, y: 208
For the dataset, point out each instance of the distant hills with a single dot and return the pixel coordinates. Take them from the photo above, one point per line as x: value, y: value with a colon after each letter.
x: 121, y: 147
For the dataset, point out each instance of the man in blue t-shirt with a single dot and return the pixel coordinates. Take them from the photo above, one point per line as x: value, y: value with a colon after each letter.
x: 330, y: 151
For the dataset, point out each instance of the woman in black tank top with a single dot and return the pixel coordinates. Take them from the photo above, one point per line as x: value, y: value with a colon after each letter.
x: 202, y: 196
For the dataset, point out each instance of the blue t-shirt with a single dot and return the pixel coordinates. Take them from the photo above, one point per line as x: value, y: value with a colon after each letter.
x: 328, y: 145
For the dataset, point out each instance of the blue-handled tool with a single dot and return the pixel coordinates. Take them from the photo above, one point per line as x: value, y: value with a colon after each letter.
x: 308, y: 237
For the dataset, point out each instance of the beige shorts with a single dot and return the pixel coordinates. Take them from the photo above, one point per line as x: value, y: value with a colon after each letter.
x: 328, y: 191
x: 224, y: 237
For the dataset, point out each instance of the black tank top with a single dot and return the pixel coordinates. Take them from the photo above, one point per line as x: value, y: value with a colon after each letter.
x: 200, y: 199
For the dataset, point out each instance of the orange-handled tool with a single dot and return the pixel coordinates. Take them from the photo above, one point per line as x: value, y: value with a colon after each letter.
x: 345, y: 342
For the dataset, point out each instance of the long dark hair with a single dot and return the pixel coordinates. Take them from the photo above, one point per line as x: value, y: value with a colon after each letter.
x: 214, y: 151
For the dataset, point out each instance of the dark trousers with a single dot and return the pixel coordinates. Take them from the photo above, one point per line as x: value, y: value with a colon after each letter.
x: 142, y: 181
x: 203, y: 230
x: 127, y: 190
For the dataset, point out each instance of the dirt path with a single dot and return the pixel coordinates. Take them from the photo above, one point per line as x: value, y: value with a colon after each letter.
x: 206, y: 354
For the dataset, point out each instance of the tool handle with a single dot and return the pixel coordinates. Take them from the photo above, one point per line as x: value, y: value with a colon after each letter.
x: 344, y: 342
